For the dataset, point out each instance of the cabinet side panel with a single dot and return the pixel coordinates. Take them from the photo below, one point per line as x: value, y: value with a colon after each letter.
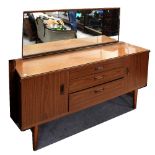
x: 14, y: 90
x: 41, y: 98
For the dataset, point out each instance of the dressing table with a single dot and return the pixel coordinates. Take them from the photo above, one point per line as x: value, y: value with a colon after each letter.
x: 49, y: 87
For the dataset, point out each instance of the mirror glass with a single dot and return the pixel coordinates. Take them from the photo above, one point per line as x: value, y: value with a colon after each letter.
x: 47, y: 32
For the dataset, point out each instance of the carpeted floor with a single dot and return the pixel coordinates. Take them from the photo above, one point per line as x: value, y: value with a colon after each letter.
x: 69, y: 125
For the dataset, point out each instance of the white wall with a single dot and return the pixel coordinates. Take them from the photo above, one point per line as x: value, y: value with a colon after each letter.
x: 132, y: 133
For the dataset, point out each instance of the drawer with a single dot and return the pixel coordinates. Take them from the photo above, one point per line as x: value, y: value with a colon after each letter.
x: 95, y: 95
x: 108, y: 65
x: 96, y: 79
x: 89, y: 69
x: 81, y: 71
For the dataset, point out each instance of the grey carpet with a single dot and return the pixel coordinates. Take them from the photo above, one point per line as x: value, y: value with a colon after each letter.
x: 64, y: 127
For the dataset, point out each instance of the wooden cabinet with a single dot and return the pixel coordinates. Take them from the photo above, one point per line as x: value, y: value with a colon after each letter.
x: 46, y: 88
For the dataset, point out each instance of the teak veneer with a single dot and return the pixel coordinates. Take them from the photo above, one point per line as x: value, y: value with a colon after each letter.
x: 49, y: 87
x: 39, y: 65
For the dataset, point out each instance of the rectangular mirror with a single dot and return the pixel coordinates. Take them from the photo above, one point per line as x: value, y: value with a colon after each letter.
x: 54, y: 31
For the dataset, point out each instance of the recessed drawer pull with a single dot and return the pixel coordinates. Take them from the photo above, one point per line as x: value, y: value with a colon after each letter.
x: 99, y: 90
x: 98, y: 77
x: 99, y: 68
x: 62, y: 87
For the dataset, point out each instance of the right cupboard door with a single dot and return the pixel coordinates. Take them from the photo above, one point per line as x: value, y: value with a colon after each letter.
x: 137, y: 68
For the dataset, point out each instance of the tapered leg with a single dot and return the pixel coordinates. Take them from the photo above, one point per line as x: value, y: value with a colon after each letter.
x: 135, y: 93
x: 35, y: 137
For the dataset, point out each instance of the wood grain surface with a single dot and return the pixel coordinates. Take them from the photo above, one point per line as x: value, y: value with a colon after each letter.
x: 39, y: 65
x: 42, y: 98
x: 96, y: 79
x: 49, y: 87
x: 137, y: 71
x: 95, y: 95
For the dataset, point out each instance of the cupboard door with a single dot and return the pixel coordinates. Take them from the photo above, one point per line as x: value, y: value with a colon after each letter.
x: 142, y: 72
x: 137, y: 71
x: 44, y: 97
x: 131, y: 72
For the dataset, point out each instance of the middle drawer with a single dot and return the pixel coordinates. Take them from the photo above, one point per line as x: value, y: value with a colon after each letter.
x: 95, y: 79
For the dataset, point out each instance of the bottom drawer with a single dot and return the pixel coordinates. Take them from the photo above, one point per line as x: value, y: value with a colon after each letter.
x: 95, y: 95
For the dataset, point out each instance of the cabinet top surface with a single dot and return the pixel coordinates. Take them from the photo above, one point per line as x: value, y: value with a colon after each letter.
x: 39, y: 65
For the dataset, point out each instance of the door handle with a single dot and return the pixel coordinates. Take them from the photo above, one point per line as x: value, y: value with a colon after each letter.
x: 62, y: 88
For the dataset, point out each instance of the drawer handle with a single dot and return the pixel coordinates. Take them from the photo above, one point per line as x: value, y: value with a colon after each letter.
x: 62, y: 87
x: 99, y: 90
x: 99, y: 68
x: 98, y: 77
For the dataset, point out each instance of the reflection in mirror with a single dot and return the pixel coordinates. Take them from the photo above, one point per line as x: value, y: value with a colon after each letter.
x: 68, y: 29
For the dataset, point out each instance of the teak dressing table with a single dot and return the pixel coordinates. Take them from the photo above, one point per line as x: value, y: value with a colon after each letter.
x: 52, y: 86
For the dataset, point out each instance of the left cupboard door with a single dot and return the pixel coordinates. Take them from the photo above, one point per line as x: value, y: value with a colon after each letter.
x: 43, y: 97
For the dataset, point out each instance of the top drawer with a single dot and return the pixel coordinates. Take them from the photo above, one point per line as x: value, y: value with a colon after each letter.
x: 88, y: 69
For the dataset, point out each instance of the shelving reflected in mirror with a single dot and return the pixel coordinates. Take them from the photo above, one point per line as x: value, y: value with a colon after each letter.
x: 54, y: 31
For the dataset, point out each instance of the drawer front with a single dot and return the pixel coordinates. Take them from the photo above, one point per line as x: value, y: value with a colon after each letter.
x: 95, y: 79
x: 81, y: 71
x: 95, y: 95
x: 89, y: 69
x: 108, y: 65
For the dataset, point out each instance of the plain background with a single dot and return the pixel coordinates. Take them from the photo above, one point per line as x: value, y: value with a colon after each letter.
x: 131, y: 133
